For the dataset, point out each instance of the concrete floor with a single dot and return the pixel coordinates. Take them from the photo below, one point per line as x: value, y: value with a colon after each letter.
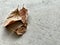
x: 44, y: 22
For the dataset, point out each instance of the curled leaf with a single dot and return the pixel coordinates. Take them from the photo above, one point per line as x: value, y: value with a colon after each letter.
x: 17, y: 21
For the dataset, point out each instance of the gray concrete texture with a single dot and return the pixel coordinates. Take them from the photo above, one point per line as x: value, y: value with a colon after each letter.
x: 43, y: 22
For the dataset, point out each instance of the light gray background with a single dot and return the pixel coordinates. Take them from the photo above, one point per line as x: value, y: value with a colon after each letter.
x: 44, y: 22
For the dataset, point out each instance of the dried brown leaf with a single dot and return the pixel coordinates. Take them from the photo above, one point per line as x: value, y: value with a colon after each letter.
x: 17, y: 21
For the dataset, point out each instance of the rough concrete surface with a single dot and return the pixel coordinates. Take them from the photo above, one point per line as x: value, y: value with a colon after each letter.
x: 44, y: 22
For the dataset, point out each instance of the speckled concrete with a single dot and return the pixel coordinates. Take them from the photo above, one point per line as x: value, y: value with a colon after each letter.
x: 44, y: 22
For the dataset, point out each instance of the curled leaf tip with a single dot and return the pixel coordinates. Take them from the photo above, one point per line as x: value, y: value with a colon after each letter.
x: 15, y: 11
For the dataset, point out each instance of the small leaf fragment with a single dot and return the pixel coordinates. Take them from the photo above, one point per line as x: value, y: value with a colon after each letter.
x: 17, y: 21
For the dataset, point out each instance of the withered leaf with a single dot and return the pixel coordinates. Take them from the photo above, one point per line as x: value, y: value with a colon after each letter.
x: 17, y: 21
